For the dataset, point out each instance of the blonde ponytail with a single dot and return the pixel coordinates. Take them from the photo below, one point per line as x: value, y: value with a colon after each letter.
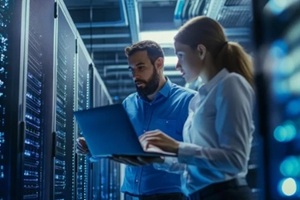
x: 234, y: 58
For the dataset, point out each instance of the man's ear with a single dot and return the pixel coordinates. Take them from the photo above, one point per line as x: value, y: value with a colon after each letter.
x: 201, y: 50
x: 159, y: 63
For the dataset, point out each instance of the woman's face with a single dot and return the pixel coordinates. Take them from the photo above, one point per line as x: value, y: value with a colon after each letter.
x: 189, y: 63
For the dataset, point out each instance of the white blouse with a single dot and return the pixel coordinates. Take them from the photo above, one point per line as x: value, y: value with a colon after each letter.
x: 217, y: 134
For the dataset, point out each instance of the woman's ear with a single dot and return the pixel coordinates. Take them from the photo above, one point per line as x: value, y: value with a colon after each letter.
x: 201, y: 50
x: 159, y: 63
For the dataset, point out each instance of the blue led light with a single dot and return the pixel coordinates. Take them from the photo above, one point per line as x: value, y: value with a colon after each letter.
x: 278, y: 57
x: 278, y: 6
x: 277, y: 60
x: 293, y: 108
x: 285, y: 132
x: 278, y: 50
x: 116, y: 98
x: 287, y: 187
x: 290, y: 167
x: 280, y: 88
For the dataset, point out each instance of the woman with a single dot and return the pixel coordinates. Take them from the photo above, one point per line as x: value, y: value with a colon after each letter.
x: 218, y: 132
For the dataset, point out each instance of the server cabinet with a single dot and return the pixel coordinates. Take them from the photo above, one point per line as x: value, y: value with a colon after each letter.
x: 10, y: 51
x: 105, y: 180
x: 64, y: 162
x: 38, y: 98
x: 104, y: 173
x: 83, y: 102
x: 44, y: 77
x: 277, y: 35
x: 78, y: 86
x: 26, y: 99
x: 100, y: 95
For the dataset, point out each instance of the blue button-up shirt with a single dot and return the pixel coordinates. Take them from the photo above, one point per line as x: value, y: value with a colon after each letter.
x: 167, y: 112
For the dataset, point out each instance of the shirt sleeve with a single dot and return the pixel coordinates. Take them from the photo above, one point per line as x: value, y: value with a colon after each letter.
x: 170, y: 164
x: 234, y: 127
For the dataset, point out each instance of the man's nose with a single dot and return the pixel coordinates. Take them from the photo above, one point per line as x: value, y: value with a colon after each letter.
x: 134, y: 74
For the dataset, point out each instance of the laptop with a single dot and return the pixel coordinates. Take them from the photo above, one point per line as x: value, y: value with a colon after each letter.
x: 108, y: 131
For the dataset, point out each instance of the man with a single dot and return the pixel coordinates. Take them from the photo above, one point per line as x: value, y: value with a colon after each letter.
x: 157, y: 104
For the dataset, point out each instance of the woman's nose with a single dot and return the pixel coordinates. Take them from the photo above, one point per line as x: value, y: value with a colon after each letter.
x: 178, y: 66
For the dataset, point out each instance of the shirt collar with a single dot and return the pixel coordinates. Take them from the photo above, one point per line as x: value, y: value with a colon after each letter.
x: 205, y: 88
x: 165, y: 90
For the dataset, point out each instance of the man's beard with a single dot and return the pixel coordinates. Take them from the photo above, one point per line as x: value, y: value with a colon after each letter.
x: 150, y: 86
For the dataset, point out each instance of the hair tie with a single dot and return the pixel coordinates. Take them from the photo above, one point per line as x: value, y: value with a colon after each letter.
x: 222, y: 46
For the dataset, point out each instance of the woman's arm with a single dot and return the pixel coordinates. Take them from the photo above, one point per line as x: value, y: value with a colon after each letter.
x: 233, y: 126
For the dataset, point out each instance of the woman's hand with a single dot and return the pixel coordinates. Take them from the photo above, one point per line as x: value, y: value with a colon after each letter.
x: 159, y: 139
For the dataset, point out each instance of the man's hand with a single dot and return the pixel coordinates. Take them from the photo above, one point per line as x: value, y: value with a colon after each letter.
x: 81, y: 146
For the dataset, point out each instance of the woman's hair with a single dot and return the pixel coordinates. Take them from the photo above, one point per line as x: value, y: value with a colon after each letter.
x: 206, y: 31
x: 154, y: 51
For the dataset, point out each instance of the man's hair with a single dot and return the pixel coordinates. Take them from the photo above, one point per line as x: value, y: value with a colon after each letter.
x: 154, y: 51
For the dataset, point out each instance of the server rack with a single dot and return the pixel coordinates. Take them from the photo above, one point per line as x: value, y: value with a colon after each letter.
x: 45, y: 74
x: 104, y: 173
x: 38, y: 100
x: 76, y: 177
x: 10, y: 51
x: 84, y: 101
x: 105, y: 178
x: 278, y: 74
x: 64, y: 162
x: 25, y: 92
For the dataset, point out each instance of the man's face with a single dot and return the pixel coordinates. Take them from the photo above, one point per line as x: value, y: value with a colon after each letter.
x: 145, y: 75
